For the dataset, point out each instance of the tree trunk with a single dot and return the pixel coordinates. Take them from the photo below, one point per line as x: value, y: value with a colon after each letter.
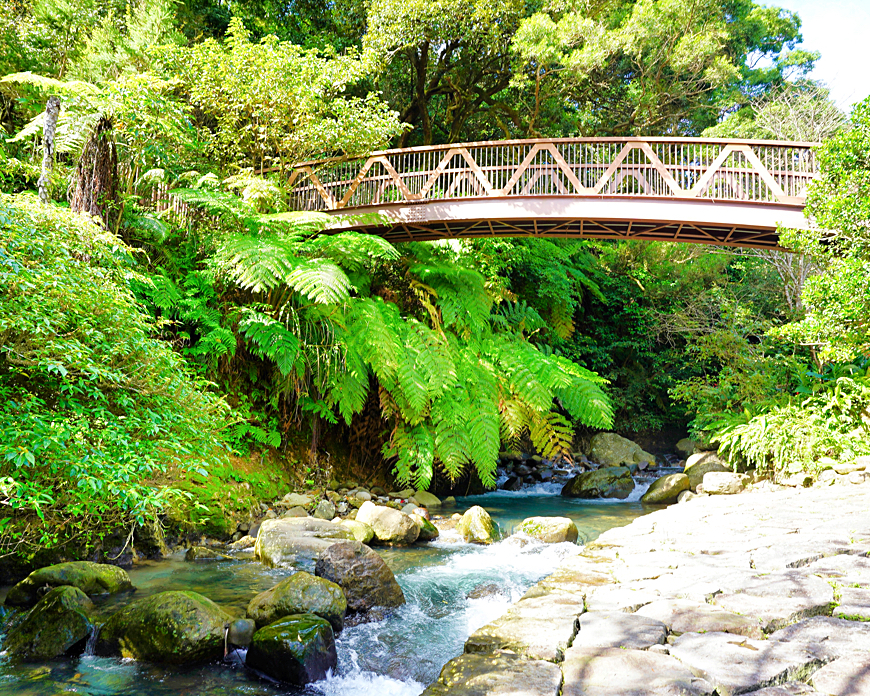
x: 96, y: 178
x: 52, y: 111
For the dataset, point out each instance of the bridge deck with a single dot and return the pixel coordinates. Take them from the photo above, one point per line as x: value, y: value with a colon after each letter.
x: 732, y: 193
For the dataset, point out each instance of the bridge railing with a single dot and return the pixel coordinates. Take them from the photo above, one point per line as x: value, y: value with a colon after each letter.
x: 688, y: 168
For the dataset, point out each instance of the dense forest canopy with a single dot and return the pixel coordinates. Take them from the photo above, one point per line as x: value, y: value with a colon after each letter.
x: 191, y: 323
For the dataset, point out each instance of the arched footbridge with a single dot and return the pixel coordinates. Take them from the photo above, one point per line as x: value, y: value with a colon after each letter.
x: 721, y: 192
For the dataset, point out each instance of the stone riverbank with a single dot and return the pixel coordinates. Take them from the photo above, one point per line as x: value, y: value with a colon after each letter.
x: 767, y: 592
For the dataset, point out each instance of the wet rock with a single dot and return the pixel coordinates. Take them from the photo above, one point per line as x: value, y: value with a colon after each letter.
x: 685, y: 616
x: 854, y: 604
x: 840, y: 638
x: 610, y: 482
x: 301, y: 593
x: 486, y: 589
x: 201, y: 553
x: 390, y: 526
x: 294, y: 499
x: 427, y: 500
x: 848, y: 676
x: 612, y: 450
x: 666, y: 489
x: 360, y: 530
x: 240, y: 632
x: 325, y: 510
x: 513, y: 483
x: 501, y: 674
x: 539, y: 628
x: 297, y: 650
x: 281, y: 542
x: 724, y: 483
x: 609, y: 629
x: 176, y: 628
x: 91, y: 578
x: 57, y: 625
x: 735, y: 665
x: 477, y: 527
x: 361, y: 573
x: 701, y: 463
x: 428, y: 531
x: 550, y: 530
x: 246, y: 542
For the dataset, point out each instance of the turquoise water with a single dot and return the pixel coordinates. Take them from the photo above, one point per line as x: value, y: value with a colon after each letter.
x: 397, y: 656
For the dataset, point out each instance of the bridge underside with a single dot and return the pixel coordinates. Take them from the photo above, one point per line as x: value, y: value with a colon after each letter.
x: 705, y: 221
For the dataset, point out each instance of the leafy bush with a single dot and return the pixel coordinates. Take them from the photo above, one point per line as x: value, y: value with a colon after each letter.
x: 92, y: 408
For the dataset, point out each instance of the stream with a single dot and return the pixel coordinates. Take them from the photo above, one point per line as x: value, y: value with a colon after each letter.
x: 398, y: 656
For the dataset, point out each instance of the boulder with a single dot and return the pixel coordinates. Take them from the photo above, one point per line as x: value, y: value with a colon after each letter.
x: 724, y: 483
x: 360, y: 530
x: 701, y: 463
x: 176, y: 627
x: 686, y: 496
x: 844, y: 468
x: 610, y: 482
x: 550, y: 530
x: 91, y: 578
x: 298, y: 650
x: 240, y: 632
x: 477, y: 527
x: 686, y: 447
x: 281, y: 541
x: 390, y: 526
x: 297, y: 511
x: 325, y: 510
x: 294, y: 499
x: 666, y: 489
x: 57, y: 625
x: 361, y: 573
x: 201, y: 553
x: 427, y: 500
x: 501, y: 674
x: 428, y: 531
x: 301, y: 593
x: 513, y: 483
x: 610, y: 449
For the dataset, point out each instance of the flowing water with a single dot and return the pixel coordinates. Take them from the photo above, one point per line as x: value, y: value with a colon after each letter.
x: 398, y: 656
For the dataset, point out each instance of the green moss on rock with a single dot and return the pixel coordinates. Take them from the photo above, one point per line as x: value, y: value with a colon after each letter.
x: 91, y: 578
x: 298, y: 649
x: 58, y: 624
x: 301, y: 593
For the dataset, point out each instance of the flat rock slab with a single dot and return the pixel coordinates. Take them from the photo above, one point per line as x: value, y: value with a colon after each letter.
x: 611, y: 671
x: 837, y: 637
x: 501, y: 674
x: 845, y: 569
x: 787, y: 689
x: 540, y: 628
x: 735, y: 665
x: 624, y: 598
x: 780, y: 598
x: 848, y: 676
x: 684, y: 616
x: 613, y: 629
x: 854, y: 604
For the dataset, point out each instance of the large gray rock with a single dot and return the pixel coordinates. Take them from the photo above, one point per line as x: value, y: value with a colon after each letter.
x: 361, y: 573
x: 325, y: 510
x: 284, y: 541
x: 736, y: 665
x: 610, y: 671
x: 91, y: 578
x: 854, y: 604
x: 686, y: 447
x: 501, y: 674
x: 701, y: 463
x: 610, y: 449
x: 298, y: 650
x: 176, y: 627
x: 845, y: 569
x: 724, y: 483
x: 427, y: 499
x: 848, y: 676
x: 612, y: 482
x: 389, y: 525
x: 550, y: 530
x: 58, y: 624
x: 778, y: 599
x: 477, y: 527
x: 686, y: 616
x: 613, y: 629
x: 360, y: 530
x: 666, y: 489
x: 301, y: 593
x: 297, y: 499
x: 539, y: 628
x: 840, y: 638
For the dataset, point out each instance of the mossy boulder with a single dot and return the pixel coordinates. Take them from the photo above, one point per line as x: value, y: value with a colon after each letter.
x: 301, y: 593
x: 177, y: 628
x: 610, y: 449
x: 427, y: 499
x: 477, y: 527
x: 611, y: 482
x: 666, y: 490
x: 91, y: 578
x: 702, y: 463
x: 59, y: 624
x: 390, y: 526
x: 550, y: 530
x: 366, y: 579
x: 360, y: 530
x: 428, y: 531
x: 297, y: 650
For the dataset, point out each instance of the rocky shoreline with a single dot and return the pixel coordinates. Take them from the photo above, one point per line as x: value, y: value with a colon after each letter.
x: 767, y: 592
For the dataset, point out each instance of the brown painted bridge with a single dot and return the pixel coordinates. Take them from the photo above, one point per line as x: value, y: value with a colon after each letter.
x: 723, y: 192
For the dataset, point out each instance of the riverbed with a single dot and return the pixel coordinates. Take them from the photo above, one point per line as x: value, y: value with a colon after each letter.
x: 398, y: 656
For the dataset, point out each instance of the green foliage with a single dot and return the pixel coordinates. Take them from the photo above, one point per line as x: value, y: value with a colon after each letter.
x: 93, y: 407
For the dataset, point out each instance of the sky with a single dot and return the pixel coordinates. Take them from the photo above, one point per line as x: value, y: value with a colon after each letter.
x: 840, y: 30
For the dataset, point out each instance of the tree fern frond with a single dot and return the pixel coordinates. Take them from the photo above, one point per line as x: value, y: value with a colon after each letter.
x: 551, y: 434
x: 270, y: 339
x: 321, y: 280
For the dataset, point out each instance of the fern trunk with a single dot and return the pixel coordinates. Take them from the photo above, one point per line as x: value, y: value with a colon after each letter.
x: 96, y: 179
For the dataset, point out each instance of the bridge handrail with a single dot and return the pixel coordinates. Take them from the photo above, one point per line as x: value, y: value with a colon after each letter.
x: 772, y: 172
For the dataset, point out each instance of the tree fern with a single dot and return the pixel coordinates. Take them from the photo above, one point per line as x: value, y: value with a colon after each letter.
x: 270, y: 339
